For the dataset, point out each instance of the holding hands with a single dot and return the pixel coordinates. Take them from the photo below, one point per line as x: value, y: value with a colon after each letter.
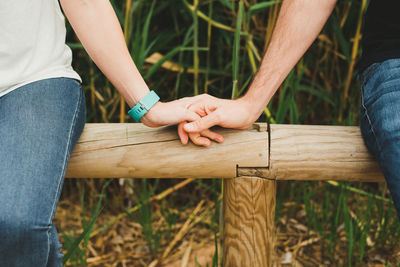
x: 98, y: 29
x: 196, y: 115
x: 235, y: 114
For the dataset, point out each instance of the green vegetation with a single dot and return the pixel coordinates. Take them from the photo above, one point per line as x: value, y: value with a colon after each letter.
x: 184, y: 48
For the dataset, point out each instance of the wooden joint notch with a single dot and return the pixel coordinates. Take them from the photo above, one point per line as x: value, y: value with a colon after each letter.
x: 260, y: 171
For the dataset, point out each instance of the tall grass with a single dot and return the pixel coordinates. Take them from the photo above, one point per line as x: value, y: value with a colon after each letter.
x: 184, y: 48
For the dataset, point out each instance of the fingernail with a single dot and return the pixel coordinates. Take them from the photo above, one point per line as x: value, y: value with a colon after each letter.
x: 189, y: 127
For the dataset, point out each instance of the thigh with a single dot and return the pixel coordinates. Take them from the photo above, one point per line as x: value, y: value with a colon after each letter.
x: 380, y: 120
x: 39, y: 125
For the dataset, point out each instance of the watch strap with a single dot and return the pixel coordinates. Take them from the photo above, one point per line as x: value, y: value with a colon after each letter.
x: 144, y: 105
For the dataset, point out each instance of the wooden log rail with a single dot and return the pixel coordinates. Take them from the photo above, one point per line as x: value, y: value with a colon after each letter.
x: 251, y: 161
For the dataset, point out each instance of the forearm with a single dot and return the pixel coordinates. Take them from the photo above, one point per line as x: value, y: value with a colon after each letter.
x: 299, y: 23
x: 98, y: 29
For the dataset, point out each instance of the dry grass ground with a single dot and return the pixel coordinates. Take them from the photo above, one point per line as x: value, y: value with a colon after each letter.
x: 184, y: 48
x: 190, y: 240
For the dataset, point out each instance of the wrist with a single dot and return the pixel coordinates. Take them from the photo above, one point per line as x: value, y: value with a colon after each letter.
x: 144, y: 105
x: 151, y: 115
x: 254, y: 106
x: 133, y: 99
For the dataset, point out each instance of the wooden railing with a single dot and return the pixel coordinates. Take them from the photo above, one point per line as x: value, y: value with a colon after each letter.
x: 251, y: 161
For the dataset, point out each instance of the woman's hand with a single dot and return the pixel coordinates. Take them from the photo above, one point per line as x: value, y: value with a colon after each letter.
x: 166, y: 113
x: 177, y: 111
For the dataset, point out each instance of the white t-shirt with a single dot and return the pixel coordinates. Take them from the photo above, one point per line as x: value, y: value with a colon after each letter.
x: 32, y: 43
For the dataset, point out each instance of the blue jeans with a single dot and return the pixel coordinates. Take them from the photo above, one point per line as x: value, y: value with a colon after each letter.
x: 39, y: 125
x: 380, y: 120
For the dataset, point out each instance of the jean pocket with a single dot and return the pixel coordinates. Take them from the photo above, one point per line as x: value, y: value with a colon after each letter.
x: 366, y: 74
x: 368, y: 79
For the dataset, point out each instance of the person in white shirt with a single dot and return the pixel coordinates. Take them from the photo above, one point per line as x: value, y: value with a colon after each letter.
x: 42, y: 113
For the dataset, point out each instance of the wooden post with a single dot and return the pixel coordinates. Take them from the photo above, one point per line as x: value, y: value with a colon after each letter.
x: 249, y: 210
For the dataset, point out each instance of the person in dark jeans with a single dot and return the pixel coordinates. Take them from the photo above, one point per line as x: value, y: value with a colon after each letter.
x: 299, y: 23
x: 380, y: 90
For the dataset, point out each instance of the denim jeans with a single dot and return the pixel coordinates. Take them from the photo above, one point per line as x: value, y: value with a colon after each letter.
x: 380, y: 120
x: 39, y: 125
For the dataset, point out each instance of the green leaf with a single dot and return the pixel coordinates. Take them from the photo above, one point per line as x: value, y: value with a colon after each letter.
x: 261, y: 7
x: 228, y: 4
x: 343, y: 43
x: 85, y: 235
x: 236, y: 49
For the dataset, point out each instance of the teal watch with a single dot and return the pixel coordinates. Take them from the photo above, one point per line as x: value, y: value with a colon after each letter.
x: 144, y: 105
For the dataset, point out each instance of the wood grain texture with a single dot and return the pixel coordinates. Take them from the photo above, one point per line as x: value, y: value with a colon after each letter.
x: 136, y: 151
x: 249, y: 210
x: 297, y: 152
x: 304, y: 152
